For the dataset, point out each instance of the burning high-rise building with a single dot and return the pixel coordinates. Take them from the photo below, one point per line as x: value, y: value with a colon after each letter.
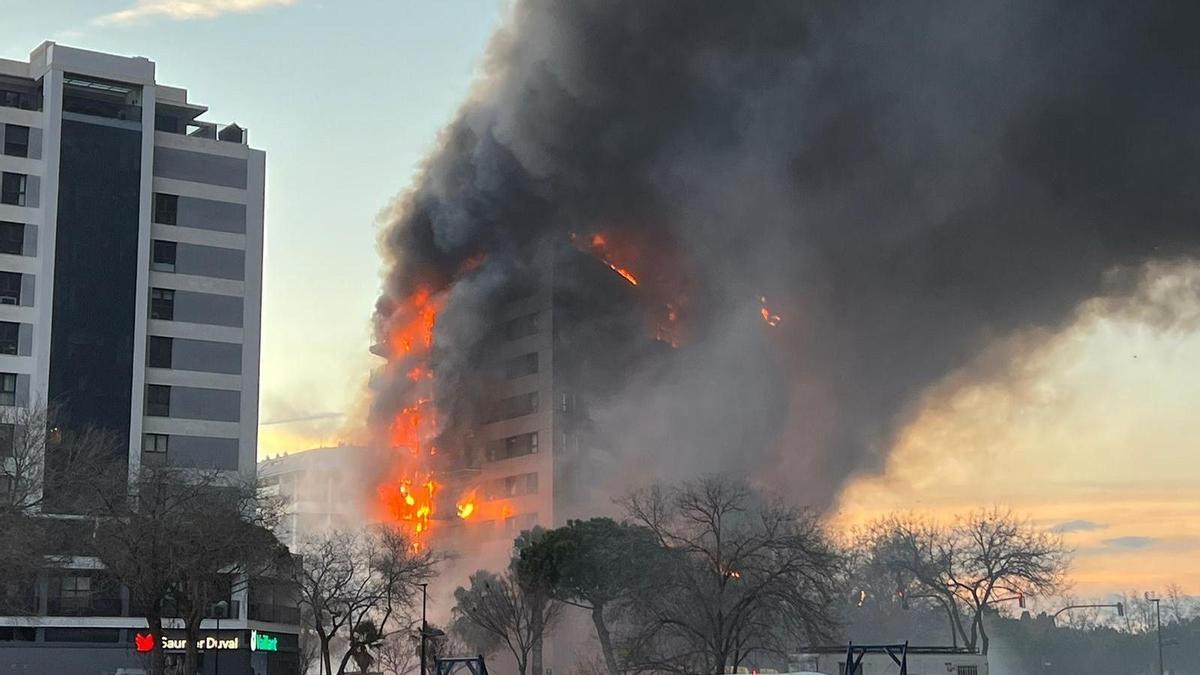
x: 515, y: 445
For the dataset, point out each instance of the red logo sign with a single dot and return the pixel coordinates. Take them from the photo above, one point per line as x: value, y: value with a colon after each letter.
x: 143, y: 643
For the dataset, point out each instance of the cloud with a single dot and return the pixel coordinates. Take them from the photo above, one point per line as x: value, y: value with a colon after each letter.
x: 1131, y: 543
x: 182, y: 10
x: 1077, y: 526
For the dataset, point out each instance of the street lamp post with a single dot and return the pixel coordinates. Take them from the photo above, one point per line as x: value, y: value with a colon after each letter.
x: 219, y: 608
x: 425, y: 628
x: 1157, y: 628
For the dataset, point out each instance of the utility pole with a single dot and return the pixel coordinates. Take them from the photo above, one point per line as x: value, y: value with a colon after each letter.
x: 219, y: 608
x: 1157, y: 628
x: 425, y: 628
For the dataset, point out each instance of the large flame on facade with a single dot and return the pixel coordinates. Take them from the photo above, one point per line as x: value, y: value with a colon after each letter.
x: 406, y: 495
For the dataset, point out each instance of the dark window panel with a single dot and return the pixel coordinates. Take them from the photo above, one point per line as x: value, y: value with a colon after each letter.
x: 12, y: 189
x: 158, y: 400
x: 162, y: 304
x: 10, y: 335
x: 16, y: 140
x: 159, y: 352
x: 163, y: 256
x: 12, y: 237
x: 166, y: 208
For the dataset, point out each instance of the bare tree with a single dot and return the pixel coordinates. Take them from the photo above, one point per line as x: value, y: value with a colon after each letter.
x: 308, y: 646
x: 22, y: 457
x: 982, y: 559
x: 178, y: 539
x: 1177, y: 604
x: 498, y: 605
x: 748, y: 575
x: 349, y: 578
x: 24, y: 549
x: 231, y: 547
x: 398, y: 653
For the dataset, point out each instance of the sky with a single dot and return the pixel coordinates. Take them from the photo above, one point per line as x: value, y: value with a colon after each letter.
x: 1094, y: 434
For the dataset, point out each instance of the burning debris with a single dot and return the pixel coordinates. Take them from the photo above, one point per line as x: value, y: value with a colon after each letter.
x: 912, y: 181
x: 770, y: 317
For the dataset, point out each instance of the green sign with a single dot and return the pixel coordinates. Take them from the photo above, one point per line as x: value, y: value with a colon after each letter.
x: 263, y: 642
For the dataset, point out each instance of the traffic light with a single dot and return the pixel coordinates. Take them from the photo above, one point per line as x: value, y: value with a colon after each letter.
x: 1120, y: 609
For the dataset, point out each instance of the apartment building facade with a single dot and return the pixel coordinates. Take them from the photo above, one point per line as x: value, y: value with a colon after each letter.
x: 558, y: 347
x: 131, y: 237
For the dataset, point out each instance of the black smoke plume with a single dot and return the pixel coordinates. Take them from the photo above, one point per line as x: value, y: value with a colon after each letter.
x: 905, y: 182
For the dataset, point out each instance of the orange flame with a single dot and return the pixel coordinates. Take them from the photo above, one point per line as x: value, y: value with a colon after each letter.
x: 466, y: 506
x: 409, y: 503
x: 405, y: 496
x: 598, y: 246
x: 771, y: 318
x: 416, y: 331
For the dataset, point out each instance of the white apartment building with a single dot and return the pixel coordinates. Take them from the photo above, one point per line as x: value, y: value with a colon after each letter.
x: 131, y: 241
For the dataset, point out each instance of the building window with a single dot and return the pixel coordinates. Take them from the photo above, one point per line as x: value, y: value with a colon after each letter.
x: 158, y: 351
x: 517, y: 524
x: 8, y: 440
x: 8, y: 389
x: 10, y: 288
x: 526, y: 364
x: 154, y: 443
x: 12, y: 237
x: 520, y: 327
x: 166, y: 208
x: 513, y: 446
x: 162, y: 304
x: 164, y: 256
x: 16, y: 140
x: 158, y: 400
x: 515, y: 406
x: 10, y: 336
x: 517, y: 486
x: 12, y: 189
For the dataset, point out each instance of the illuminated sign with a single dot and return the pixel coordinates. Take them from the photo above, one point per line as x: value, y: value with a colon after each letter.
x: 263, y: 642
x: 144, y: 642
x: 204, y: 643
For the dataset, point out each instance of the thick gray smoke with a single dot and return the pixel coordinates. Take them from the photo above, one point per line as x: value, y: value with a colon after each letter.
x: 905, y: 182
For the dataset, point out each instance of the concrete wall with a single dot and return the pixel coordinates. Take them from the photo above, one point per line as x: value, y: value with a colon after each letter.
x: 200, y: 167
x: 208, y: 308
x: 206, y: 356
x: 198, y: 403
x: 198, y: 452
x: 211, y: 214
x: 210, y: 261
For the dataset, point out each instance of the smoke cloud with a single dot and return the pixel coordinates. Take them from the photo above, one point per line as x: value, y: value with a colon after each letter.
x: 905, y: 183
